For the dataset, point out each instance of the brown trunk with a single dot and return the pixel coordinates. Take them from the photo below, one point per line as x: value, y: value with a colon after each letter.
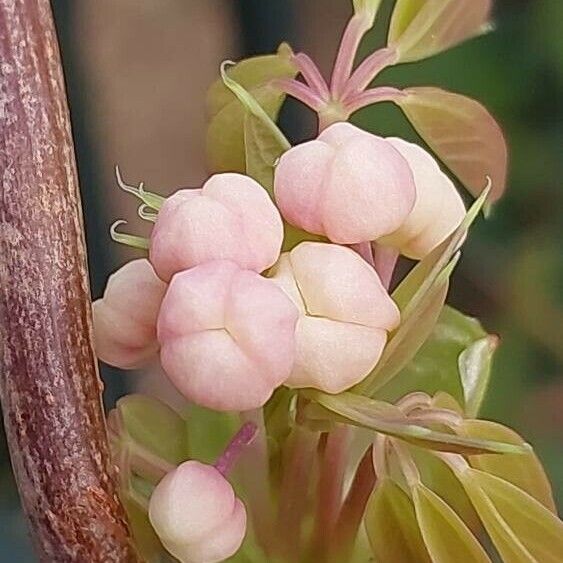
x: 49, y: 385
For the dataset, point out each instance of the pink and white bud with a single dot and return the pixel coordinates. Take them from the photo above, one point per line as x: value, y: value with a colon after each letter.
x: 125, y: 317
x: 345, y: 313
x: 196, y: 514
x: 438, y: 209
x: 227, y: 336
x: 230, y: 218
x: 348, y: 185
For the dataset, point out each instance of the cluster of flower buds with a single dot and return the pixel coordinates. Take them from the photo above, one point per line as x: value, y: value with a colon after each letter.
x: 233, y: 319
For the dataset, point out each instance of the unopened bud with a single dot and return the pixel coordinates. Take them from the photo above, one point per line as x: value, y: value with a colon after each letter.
x: 348, y: 185
x: 125, y: 317
x: 227, y: 336
x: 196, y: 514
x: 230, y: 218
x: 345, y: 314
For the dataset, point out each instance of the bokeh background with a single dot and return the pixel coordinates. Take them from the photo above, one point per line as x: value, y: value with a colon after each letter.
x: 137, y: 72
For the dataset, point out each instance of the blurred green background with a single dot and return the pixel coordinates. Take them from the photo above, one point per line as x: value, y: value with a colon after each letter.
x: 137, y: 71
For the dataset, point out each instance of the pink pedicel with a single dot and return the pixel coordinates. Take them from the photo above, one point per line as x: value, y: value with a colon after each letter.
x: 196, y: 514
x: 345, y: 314
x: 125, y: 317
x: 438, y: 209
x: 348, y: 185
x: 227, y: 336
x: 230, y: 218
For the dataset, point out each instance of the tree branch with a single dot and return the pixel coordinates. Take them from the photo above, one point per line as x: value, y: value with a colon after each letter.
x: 49, y: 385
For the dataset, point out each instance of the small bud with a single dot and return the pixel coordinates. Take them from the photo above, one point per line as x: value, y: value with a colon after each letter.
x: 345, y: 314
x: 196, y: 514
x: 227, y: 336
x: 348, y: 185
x: 125, y: 317
x: 230, y: 218
x: 438, y: 209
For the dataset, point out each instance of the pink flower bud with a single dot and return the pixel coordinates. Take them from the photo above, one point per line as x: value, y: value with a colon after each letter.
x: 230, y: 218
x: 227, y: 336
x: 438, y: 209
x: 196, y: 514
x: 125, y: 317
x: 345, y: 314
x: 347, y: 185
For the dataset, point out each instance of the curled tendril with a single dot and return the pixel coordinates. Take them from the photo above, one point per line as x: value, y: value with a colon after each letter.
x: 154, y: 201
x: 129, y: 240
x: 145, y: 213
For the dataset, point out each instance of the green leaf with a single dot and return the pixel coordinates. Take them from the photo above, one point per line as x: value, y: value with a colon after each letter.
x: 462, y: 133
x: 389, y: 420
x: 262, y: 149
x: 252, y: 80
x: 475, y: 364
x: 155, y: 426
x: 524, y: 470
x: 419, y: 300
x: 209, y: 432
x: 438, y: 364
x: 445, y: 535
x: 521, y: 528
x: 391, y: 526
x: 439, y: 477
x: 422, y: 28
x: 404, y: 343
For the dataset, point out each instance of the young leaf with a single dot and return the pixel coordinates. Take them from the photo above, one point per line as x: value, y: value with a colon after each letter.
x: 439, y: 477
x: 462, y: 133
x: 206, y: 445
x: 521, y: 528
x: 391, y: 526
x: 418, y: 297
x: 225, y: 135
x: 436, y: 366
x: 446, y: 537
x: 524, y: 471
x: 474, y: 370
x: 422, y: 28
x: 262, y: 149
x: 155, y: 426
x: 389, y: 420
x: 369, y: 8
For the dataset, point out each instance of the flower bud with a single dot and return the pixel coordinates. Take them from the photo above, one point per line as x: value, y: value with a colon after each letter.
x: 125, y: 317
x: 196, y: 514
x: 345, y: 314
x: 438, y: 209
x: 230, y: 218
x: 348, y: 185
x: 227, y: 336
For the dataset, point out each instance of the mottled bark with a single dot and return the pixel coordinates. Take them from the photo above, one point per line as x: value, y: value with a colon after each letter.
x: 49, y: 386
